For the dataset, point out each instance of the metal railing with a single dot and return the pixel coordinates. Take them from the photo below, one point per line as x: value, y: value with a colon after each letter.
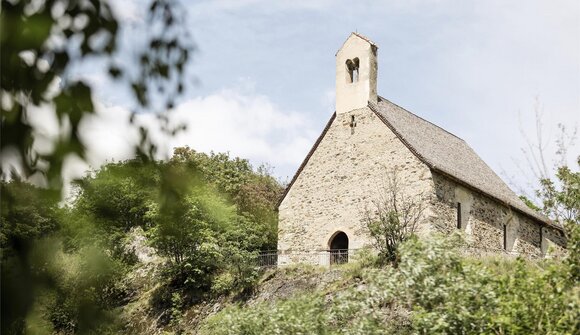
x: 267, y: 259
x: 275, y: 258
x: 338, y: 256
x: 272, y: 258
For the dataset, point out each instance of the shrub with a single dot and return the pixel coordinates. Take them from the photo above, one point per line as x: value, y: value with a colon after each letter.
x: 392, y: 218
x: 434, y: 290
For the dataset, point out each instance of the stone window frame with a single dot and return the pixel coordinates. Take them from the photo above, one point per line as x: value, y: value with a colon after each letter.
x: 333, y: 236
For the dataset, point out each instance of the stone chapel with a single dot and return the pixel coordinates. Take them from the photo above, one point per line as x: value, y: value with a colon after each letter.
x: 367, y: 137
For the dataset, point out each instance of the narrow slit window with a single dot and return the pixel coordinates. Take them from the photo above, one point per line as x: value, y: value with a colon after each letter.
x: 459, y: 215
x: 504, y: 237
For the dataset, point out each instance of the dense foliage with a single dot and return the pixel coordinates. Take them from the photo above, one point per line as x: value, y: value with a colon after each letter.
x: 40, y: 41
x: 191, y: 217
x: 50, y: 280
x: 52, y: 263
x: 434, y: 290
x: 255, y: 194
x: 561, y: 197
x: 195, y: 221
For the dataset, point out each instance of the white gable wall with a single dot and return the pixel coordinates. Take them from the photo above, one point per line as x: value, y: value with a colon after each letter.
x: 356, y: 95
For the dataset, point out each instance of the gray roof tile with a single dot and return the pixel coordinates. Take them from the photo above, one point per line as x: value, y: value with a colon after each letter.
x: 450, y: 155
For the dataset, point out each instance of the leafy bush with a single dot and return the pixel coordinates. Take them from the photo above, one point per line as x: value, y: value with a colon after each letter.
x: 302, y: 315
x: 209, y: 240
x: 452, y: 295
x: 28, y: 213
x: 255, y: 194
x: 208, y: 215
x: 434, y: 290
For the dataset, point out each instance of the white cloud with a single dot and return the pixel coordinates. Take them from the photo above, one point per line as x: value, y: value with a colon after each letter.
x: 129, y: 10
x: 108, y: 135
x: 228, y: 5
x: 238, y: 121
x: 244, y: 124
x: 249, y: 126
x: 468, y: 66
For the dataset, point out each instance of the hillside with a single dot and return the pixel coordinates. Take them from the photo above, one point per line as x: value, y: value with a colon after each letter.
x: 142, y: 315
x: 171, y: 248
x: 434, y: 290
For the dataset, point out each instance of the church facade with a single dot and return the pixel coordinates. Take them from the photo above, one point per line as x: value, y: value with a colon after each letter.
x: 368, y: 139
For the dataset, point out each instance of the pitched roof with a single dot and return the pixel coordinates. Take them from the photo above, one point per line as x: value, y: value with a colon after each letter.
x: 306, y: 159
x: 364, y: 38
x: 449, y: 155
x: 373, y: 44
x: 442, y: 152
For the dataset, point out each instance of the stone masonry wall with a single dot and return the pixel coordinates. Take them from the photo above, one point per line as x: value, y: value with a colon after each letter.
x: 483, y: 219
x: 346, y: 172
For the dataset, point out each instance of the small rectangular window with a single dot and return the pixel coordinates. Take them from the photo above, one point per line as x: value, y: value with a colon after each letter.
x: 458, y: 215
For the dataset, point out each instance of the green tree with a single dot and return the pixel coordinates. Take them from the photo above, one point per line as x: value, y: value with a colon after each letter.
x: 208, y: 242
x: 119, y: 193
x: 189, y: 228
x: 561, y: 197
x: 255, y: 193
x: 28, y: 213
x: 110, y: 202
x: 561, y: 201
x: 40, y: 41
x: 557, y: 193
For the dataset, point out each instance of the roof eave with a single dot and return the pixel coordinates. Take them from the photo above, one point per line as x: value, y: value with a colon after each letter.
x: 306, y: 159
x: 544, y: 221
x: 368, y: 40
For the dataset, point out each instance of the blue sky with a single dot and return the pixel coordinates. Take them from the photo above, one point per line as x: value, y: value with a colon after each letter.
x: 265, y: 72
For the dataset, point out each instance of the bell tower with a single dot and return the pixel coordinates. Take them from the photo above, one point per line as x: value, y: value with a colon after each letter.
x: 356, y: 73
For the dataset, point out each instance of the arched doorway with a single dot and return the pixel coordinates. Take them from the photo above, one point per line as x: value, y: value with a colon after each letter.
x: 338, y: 248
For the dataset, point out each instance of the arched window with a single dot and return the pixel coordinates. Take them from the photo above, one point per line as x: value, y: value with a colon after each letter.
x: 352, y: 66
x: 338, y: 245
